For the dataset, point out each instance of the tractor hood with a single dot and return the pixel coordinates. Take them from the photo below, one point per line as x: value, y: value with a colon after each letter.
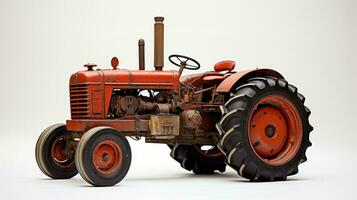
x: 130, y: 79
x: 85, y: 77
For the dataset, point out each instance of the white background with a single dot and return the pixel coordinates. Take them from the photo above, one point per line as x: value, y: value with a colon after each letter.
x: 311, y: 42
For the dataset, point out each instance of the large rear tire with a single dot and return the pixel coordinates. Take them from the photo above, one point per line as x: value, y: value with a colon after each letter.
x: 103, y: 156
x: 193, y: 158
x: 265, y: 129
x: 50, y: 153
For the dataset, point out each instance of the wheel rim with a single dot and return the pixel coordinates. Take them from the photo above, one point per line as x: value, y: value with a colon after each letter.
x: 58, y: 153
x: 107, y: 157
x: 275, y: 130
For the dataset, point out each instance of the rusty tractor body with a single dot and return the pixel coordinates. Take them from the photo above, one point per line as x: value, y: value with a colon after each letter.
x: 253, y: 120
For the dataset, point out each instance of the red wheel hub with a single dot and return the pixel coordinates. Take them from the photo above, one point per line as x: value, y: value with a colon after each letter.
x: 268, y: 131
x: 275, y: 130
x: 107, y: 157
x: 58, y: 152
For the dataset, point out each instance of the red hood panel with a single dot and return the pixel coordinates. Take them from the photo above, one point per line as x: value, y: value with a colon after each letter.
x: 129, y: 78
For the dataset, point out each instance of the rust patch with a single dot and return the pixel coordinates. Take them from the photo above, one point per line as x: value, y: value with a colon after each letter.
x: 164, y: 125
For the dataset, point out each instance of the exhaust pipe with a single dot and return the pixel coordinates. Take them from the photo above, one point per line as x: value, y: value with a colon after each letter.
x: 159, y: 43
x: 141, y: 45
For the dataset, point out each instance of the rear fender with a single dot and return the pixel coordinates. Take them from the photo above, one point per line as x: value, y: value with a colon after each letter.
x: 239, y: 78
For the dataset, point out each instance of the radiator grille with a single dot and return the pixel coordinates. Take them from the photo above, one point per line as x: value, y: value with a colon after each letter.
x: 79, y: 101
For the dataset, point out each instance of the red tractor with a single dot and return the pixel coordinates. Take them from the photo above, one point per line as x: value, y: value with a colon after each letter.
x: 253, y: 120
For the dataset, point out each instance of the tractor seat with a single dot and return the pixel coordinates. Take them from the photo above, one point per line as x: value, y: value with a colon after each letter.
x: 227, y: 65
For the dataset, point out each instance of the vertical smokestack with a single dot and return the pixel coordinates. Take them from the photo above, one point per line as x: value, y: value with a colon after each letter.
x: 141, y: 44
x: 159, y: 43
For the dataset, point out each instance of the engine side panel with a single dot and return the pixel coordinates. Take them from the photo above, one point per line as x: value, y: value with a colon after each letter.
x: 91, y: 91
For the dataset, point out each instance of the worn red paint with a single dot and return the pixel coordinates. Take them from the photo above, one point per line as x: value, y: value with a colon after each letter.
x: 100, y: 85
x: 164, y: 107
x: 236, y: 78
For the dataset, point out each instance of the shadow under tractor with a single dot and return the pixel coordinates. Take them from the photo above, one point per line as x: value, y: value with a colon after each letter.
x: 253, y: 121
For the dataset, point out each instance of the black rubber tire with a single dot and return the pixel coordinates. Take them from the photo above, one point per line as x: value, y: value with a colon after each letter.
x: 44, y: 157
x: 192, y: 160
x: 84, y: 156
x: 233, y: 128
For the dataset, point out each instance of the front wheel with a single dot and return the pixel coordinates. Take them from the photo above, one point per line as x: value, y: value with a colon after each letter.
x: 54, y: 154
x: 265, y: 129
x: 103, y: 156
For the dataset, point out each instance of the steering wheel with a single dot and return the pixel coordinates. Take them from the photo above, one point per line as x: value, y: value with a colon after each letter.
x: 189, y: 63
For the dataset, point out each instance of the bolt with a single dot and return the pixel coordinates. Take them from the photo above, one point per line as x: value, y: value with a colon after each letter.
x: 271, y: 150
x: 256, y: 143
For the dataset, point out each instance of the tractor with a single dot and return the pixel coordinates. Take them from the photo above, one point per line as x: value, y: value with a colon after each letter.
x: 253, y: 120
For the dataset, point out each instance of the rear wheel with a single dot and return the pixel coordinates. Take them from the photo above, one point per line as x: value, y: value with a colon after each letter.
x: 265, y: 129
x: 198, y: 158
x: 103, y: 156
x: 53, y: 157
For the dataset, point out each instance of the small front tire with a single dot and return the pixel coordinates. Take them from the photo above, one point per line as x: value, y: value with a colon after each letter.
x: 103, y: 156
x: 51, y: 156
